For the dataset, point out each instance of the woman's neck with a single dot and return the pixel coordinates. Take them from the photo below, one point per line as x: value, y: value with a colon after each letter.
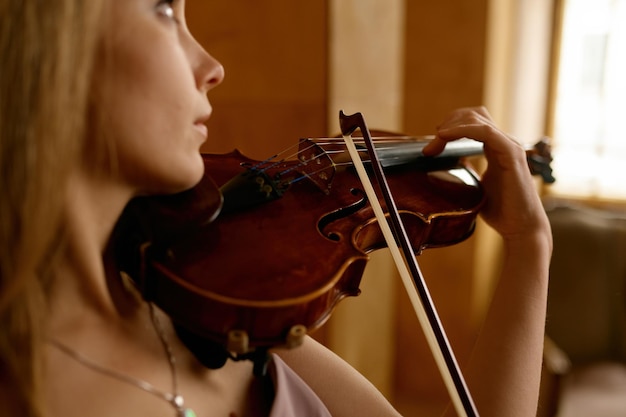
x: 83, y: 278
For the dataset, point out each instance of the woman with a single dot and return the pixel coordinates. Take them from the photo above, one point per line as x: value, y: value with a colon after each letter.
x: 83, y: 86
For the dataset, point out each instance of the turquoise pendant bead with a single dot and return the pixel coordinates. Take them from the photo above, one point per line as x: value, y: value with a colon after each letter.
x: 188, y: 412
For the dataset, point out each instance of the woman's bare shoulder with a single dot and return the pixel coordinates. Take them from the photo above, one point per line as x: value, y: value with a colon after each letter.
x: 344, y: 391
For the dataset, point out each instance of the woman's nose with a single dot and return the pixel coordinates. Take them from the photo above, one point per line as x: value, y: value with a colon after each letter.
x: 208, y: 70
x: 214, y: 74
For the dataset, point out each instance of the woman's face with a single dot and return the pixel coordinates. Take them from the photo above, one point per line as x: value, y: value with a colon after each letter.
x: 150, y: 87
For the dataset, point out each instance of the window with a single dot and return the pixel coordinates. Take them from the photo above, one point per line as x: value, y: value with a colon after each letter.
x: 590, y: 101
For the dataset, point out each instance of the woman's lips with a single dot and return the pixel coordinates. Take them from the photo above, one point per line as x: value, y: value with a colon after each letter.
x: 202, y: 129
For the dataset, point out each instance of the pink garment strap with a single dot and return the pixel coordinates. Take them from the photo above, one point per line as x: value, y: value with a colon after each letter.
x: 293, y: 397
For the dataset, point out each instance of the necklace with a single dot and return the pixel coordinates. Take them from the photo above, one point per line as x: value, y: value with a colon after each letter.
x: 175, y: 399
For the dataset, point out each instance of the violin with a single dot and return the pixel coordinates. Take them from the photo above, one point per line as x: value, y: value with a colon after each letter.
x: 259, y: 253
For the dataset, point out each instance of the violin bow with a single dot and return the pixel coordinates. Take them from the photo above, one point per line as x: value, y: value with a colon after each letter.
x: 408, y: 268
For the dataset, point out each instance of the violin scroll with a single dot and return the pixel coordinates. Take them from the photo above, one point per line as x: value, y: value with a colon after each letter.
x: 539, y: 159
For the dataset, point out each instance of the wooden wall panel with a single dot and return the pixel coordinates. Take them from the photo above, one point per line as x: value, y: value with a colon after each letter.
x: 444, y: 69
x: 275, y: 56
x: 445, y: 59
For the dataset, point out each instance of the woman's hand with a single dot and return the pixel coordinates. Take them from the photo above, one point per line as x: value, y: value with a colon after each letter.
x: 512, y: 206
x: 504, y: 372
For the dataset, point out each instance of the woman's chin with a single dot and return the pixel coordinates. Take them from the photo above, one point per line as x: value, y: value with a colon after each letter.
x: 183, y: 181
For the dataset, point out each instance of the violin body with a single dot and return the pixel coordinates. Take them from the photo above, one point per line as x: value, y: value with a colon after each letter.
x: 264, y: 275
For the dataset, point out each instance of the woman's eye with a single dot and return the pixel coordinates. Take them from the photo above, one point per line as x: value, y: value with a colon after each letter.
x: 165, y: 9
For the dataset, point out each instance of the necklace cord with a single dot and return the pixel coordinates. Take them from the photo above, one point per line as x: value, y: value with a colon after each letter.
x: 175, y: 399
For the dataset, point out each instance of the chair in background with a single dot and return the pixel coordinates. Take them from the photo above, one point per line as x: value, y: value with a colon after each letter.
x: 585, y: 351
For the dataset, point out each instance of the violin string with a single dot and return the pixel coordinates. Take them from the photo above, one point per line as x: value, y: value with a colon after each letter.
x: 273, y: 161
x: 301, y: 163
x: 263, y: 166
x: 314, y: 143
x: 271, y: 158
x: 401, y: 138
x: 281, y: 174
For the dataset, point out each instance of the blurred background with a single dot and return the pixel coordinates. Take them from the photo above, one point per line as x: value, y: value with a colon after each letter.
x: 542, y: 67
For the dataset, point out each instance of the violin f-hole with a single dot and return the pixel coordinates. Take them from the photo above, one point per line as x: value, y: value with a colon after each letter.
x: 341, y: 213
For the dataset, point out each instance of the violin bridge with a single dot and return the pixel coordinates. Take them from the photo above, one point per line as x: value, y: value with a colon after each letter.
x: 316, y: 164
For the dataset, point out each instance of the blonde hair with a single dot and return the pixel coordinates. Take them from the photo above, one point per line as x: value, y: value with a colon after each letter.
x: 47, y: 53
